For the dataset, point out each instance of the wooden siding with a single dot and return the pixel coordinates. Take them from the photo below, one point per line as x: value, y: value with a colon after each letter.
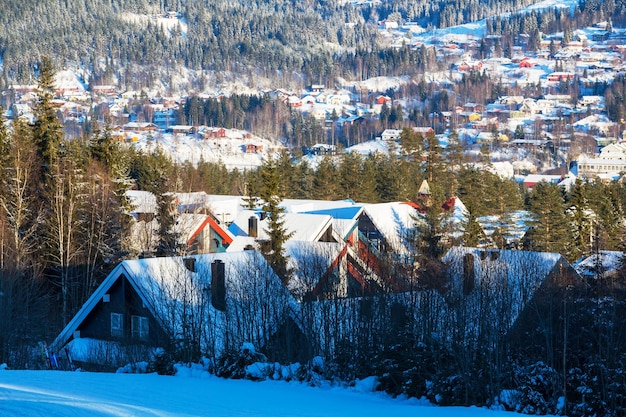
x: 123, y: 299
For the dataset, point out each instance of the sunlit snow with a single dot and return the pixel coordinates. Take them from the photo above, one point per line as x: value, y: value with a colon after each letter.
x: 57, y: 393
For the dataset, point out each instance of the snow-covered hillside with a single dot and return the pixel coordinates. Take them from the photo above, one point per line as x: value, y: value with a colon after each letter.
x: 233, y: 150
x: 57, y: 393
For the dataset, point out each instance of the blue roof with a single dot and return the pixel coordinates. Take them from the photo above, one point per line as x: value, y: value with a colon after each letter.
x: 345, y: 213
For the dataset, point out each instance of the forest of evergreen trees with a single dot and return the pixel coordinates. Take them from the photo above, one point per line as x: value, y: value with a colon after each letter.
x: 272, y: 39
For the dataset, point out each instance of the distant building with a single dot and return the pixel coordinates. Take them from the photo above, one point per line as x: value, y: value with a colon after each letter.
x: 391, y: 134
x: 593, y: 167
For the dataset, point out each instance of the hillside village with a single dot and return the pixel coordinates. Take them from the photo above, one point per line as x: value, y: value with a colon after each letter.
x: 518, y: 130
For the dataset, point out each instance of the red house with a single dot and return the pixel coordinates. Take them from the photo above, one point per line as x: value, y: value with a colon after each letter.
x: 214, y: 133
x: 382, y: 99
x: 252, y: 148
x: 526, y: 63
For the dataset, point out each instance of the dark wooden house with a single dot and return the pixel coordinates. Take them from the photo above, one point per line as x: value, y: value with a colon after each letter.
x: 205, y: 304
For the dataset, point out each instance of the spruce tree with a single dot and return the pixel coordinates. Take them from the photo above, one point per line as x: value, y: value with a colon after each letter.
x: 250, y: 201
x: 581, y: 219
x: 349, y: 174
x: 551, y: 231
x: 168, y: 244
x: 429, y: 247
x: 473, y: 233
x: 273, y: 248
x: 367, y: 190
x: 47, y: 128
x: 303, y: 186
x: 325, y: 180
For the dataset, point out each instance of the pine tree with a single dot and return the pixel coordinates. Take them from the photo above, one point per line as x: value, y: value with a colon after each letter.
x: 47, y: 128
x: 168, y: 244
x: 325, y: 180
x: 454, y: 157
x: 412, y: 144
x: 105, y: 149
x: 390, y: 181
x: 273, y: 248
x: 473, y: 234
x: 367, y: 189
x: 581, y: 219
x: 435, y: 168
x: 4, y: 143
x: 349, y: 174
x: 551, y: 232
x: 610, y: 221
x: 429, y: 247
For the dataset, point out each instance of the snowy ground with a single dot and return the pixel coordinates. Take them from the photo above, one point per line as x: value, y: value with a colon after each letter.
x: 57, y: 393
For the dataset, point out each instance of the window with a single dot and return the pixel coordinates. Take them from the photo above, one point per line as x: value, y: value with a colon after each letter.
x: 117, y: 324
x: 139, y: 326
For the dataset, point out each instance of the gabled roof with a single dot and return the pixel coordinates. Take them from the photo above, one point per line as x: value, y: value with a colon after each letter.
x: 603, y: 263
x: 305, y: 227
x: 345, y: 219
x: 520, y: 273
x: 162, y: 284
x: 145, y: 235
x: 191, y: 225
x: 142, y: 201
x: 311, y: 261
x: 395, y: 221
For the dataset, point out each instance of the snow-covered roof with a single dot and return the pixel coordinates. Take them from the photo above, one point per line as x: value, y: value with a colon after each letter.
x: 305, y: 227
x: 532, y: 179
x: 370, y: 147
x: 396, y: 222
x: 512, y: 227
x: 517, y: 274
x: 602, y: 263
x: 191, y: 202
x: 310, y: 261
x: 311, y: 206
x: 166, y: 285
x: 142, y: 201
x: 344, y: 219
x: 349, y: 212
x: 68, y: 82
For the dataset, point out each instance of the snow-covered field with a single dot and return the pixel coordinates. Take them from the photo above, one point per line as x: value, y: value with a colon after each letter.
x: 58, y: 393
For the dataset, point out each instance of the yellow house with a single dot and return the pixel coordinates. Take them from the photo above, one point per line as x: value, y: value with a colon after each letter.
x: 474, y: 117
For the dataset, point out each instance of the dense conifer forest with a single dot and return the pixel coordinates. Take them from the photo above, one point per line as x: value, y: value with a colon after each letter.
x: 274, y: 39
